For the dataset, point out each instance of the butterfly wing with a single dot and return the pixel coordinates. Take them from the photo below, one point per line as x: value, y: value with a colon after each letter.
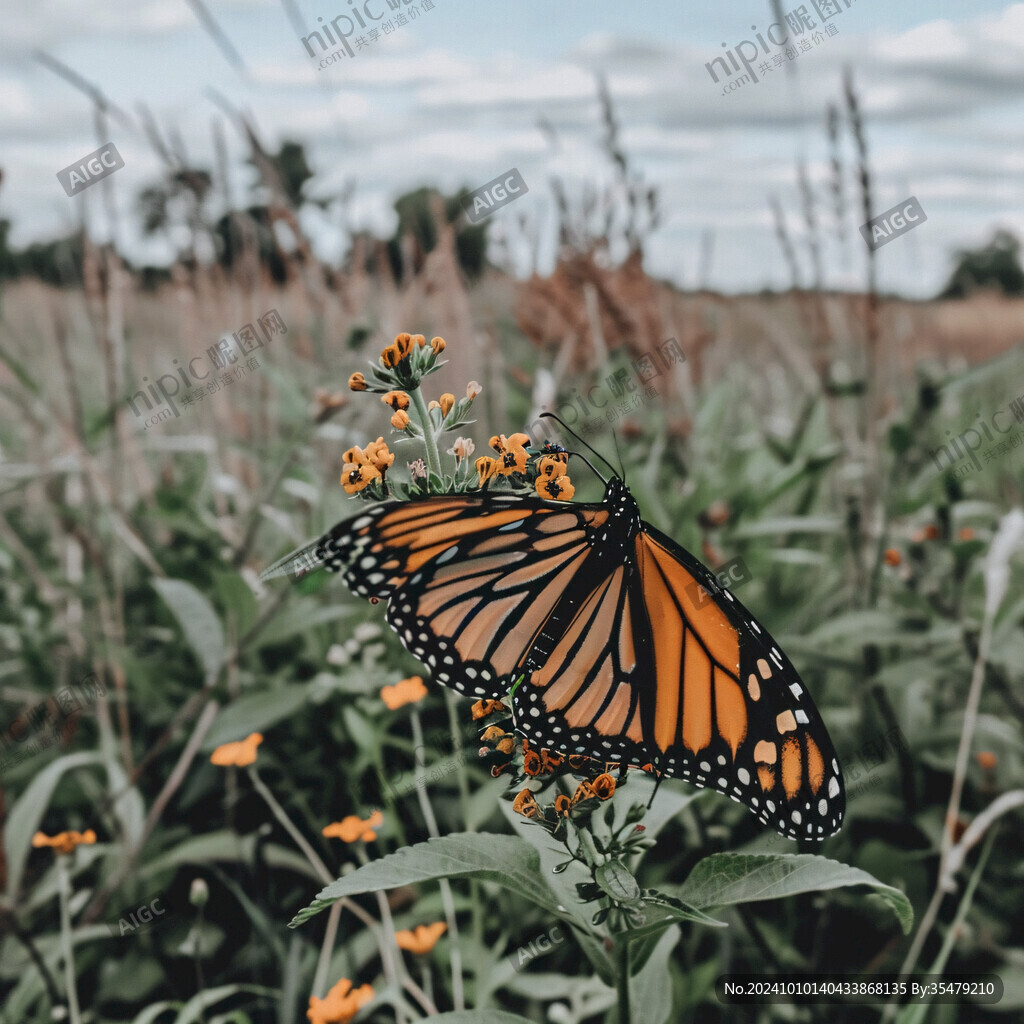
x: 470, y: 579
x: 662, y: 665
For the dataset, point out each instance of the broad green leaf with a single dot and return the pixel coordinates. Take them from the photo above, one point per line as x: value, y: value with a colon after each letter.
x: 198, y: 622
x: 27, y: 813
x: 650, y: 990
x: 298, y: 619
x: 150, y: 1013
x: 507, y: 860
x: 725, y: 879
x: 617, y: 882
x: 255, y: 712
x: 236, y: 595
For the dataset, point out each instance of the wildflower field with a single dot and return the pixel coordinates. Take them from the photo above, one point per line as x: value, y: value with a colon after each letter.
x: 238, y: 788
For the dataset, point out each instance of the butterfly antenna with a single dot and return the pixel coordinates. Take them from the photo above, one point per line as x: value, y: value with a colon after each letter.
x: 618, y: 453
x: 568, y: 430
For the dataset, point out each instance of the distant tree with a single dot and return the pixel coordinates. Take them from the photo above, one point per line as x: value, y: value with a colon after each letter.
x: 995, y: 266
x: 416, y: 220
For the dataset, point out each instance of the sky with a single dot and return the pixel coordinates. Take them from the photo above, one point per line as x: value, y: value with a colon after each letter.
x: 457, y: 95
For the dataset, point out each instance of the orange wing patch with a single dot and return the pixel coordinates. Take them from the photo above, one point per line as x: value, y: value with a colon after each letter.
x: 709, y: 656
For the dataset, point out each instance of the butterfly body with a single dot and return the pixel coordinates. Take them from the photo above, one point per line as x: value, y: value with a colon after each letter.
x: 624, y: 646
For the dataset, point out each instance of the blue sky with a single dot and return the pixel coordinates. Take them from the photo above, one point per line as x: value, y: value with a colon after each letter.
x: 454, y: 96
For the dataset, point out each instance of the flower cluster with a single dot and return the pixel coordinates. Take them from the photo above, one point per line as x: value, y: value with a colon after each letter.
x: 396, y: 377
x: 340, y: 1005
x: 365, y: 467
x: 64, y: 842
x: 403, y: 364
x: 352, y: 828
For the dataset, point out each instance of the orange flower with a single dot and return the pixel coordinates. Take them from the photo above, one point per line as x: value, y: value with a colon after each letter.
x: 422, y: 938
x: 967, y: 533
x: 501, y: 444
x: 584, y: 791
x: 486, y: 467
x: 483, y: 708
x: 398, y: 350
x: 563, y: 805
x: 396, y: 399
x: 931, y: 532
x: 892, y: 556
x: 512, y: 461
x: 408, y: 691
x: 526, y: 804
x: 551, y: 760
x: 553, y: 464
x: 357, y: 382
x: 237, y: 754
x: 355, y: 478
x: 556, y: 488
x: 341, y: 1004
x: 65, y: 842
x: 378, y: 456
x: 352, y: 827
x: 532, y: 763
x: 604, y: 786
x: 437, y: 344
x: 987, y: 760
x: 400, y: 420
x: 447, y: 401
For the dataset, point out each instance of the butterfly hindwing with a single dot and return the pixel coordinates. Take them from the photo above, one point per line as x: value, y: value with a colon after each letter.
x: 773, y: 751
x: 661, y: 665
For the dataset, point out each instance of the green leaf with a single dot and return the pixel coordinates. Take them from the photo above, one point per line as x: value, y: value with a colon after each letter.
x: 725, y: 879
x: 617, y: 882
x: 193, y: 1009
x: 27, y: 813
x: 651, y: 989
x: 507, y: 860
x: 198, y: 622
x: 238, y: 598
x: 255, y: 713
x: 298, y: 619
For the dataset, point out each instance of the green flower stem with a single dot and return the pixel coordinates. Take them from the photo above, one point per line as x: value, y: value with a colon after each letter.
x: 289, y: 826
x: 429, y: 441
x: 385, y: 935
x: 587, y: 842
x: 67, y: 947
x: 447, y: 899
x: 622, y: 977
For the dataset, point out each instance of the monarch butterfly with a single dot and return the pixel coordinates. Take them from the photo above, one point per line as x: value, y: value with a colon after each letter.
x: 625, y: 647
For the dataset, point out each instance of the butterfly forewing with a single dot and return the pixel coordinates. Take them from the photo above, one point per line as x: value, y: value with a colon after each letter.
x: 471, y: 581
